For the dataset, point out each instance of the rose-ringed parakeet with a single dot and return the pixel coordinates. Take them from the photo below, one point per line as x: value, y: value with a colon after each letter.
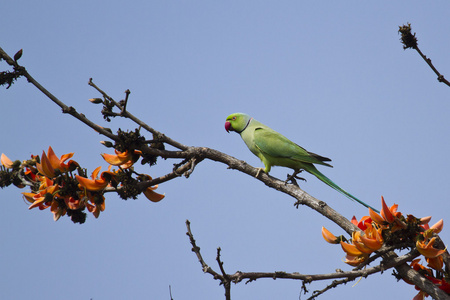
x: 276, y: 150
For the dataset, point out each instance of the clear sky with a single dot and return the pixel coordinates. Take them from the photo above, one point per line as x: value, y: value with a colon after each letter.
x: 331, y: 76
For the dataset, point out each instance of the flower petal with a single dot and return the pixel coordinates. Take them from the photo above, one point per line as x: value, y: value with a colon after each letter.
x: 436, y: 263
x: 6, y: 162
x: 372, y: 243
x: 153, y: 196
x: 350, y: 249
x: 376, y: 217
x: 438, y: 226
x: 356, y: 239
x: 425, y: 220
x: 116, y: 160
x: 29, y: 197
x: 91, y: 185
x: 94, y: 174
x: 37, y: 202
x: 45, y: 167
x: 54, y: 160
x: 428, y: 250
x: 355, y: 260
x: 386, y: 212
x: 329, y: 237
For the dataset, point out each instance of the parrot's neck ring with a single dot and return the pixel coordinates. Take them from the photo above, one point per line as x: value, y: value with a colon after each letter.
x: 245, y: 126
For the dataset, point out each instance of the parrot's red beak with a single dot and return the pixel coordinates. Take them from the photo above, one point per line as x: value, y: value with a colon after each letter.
x: 228, y: 126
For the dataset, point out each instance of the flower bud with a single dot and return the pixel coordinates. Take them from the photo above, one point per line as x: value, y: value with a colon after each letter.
x: 96, y: 100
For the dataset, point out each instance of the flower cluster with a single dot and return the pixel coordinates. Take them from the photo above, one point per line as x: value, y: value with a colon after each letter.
x: 54, y: 185
x: 392, y: 228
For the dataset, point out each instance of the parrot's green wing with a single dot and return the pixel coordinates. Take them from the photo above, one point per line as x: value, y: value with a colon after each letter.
x: 276, y: 145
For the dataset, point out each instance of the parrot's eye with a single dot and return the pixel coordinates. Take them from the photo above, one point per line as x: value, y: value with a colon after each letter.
x: 234, y: 118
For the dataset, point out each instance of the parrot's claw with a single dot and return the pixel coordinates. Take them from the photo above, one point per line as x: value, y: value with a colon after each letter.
x: 294, y: 176
x: 259, y: 172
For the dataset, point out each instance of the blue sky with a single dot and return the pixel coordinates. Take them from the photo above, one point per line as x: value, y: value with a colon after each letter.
x: 333, y: 77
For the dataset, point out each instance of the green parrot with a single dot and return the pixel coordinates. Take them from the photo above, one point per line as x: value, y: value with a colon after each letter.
x: 276, y: 150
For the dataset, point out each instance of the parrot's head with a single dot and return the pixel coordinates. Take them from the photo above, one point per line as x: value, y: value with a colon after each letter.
x: 237, y: 122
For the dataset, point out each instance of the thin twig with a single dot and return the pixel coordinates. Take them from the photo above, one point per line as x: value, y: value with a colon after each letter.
x: 196, y: 250
x: 409, y: 40
x: 127, y: 114
x: 124, y: 106
x: 226, y: 278
x: 170, y: 292
x: 65, y: 109
x: 440, y: 77
x: 333, y: 284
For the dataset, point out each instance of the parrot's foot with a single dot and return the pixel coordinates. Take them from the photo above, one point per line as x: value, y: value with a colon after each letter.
x: 259, y: 172
x: 291, y: 178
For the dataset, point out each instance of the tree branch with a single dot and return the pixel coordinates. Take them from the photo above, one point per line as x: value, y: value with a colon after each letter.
x: 194, y: 155
x: 124, y: 113
x: 409, y: 40
x: 391, y: 260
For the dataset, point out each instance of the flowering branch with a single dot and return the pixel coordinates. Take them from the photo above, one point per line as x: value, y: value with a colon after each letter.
x: 239, y: 276
x: 48, y: 175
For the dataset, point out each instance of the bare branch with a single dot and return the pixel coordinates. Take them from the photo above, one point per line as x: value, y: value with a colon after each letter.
x: 226, y: 278
x: 65, y: 109
x: 196, y: 250
x: 124, y: 113
x: 409, y: 40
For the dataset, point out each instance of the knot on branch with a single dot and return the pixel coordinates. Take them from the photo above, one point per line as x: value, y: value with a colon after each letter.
x: 68, y: 110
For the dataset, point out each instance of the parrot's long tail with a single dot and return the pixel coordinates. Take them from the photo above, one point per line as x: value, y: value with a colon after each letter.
x: 330, y: 183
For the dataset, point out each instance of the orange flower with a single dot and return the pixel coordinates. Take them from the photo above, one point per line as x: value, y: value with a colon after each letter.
x: 424, y: 220
x: 417, y: 267
x: 123, y: 159
x: 351, y: 249
x: 358, y: 242
x: 45, y: 167
x: 355, y: 260
x: 376, y: 217
x: 388, y: 215
x: 6, y: 162
x: 427, y: 249
x: 73, y: 203
x: 31, y: 174
x: 362, y: 224
x: 95, y: 184
x: 50, y: 163
x: 443, y: 285
x: 372, y: 238
x: 436, y: 263
x: 438, y: 226
x: 95, y: 209
x: 428, y: 273
x: 363, y: 242
x: 386, y: 212
x: 41, y: 199
x: 57, y: 211
x: 58, y: 163
x: 151, y: 195
x: 329, y: 237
